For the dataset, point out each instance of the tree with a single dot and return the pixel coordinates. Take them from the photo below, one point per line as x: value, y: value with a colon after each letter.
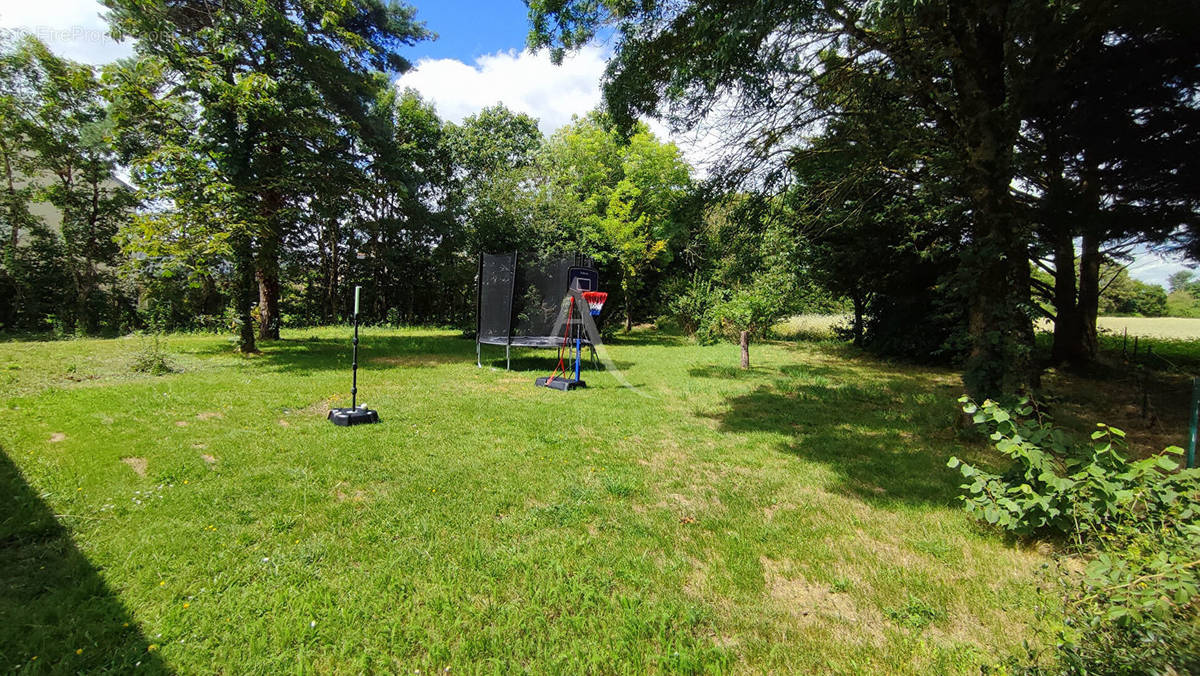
x: 17, y: 100
x: 1124, y: 295
x: 1108, y: 162
x: 879, y: 219
x: 401, y: 221
x: 277, y: 88
x: 493, y: 152
x: 629, y: 197
x: 635, y: 247
x: 61, y: 151
x: 970, y: 68
x: 1180, y: 281
x: 755, y: 304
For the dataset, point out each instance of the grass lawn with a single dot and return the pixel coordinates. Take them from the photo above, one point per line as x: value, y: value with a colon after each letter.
x: 798, y: 517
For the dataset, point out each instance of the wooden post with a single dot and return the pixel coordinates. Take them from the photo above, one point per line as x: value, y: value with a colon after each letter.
x: 1145, y: 391
x: 1195, y: 417
x: 745, y: 349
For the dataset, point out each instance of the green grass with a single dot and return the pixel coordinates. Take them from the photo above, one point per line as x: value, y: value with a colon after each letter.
x: 812, y: 326
x: 797, y: 517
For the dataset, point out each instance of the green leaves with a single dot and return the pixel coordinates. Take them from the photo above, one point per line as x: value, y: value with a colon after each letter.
x: 1061, y: 486
x: 1134, y: 522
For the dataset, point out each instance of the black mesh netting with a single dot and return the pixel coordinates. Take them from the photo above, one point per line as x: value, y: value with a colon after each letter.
x: 496, y: 276
x: 523, y: 298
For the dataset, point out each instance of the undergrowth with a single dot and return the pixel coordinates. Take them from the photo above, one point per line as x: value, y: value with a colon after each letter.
x: 1132, y: 606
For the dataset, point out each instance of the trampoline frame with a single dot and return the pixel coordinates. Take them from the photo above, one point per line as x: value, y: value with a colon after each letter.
x: 510, y: 341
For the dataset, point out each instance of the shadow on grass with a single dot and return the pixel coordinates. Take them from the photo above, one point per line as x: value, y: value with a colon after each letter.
x: 731, y: 372
x: 307, y: 355
x: 543, y: 362
x: 315, y: 354
x: 645, y: 337
x: 728, y: 372
x: 887, y: 439
x: 54, y: 605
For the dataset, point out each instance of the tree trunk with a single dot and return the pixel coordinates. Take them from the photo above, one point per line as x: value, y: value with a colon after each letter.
x: 745, y: 342
x: 331, y: 275
x: 628, y: 307
x: 997, y: 261
x: 267, y: 261
x: 1059, y: 228
x: 244, y: 291
x: 14, y: 233
x: 1087, y: 346
x: 266, y: 274
x: 1067, y: 324
x: 860, y: 308
x: 238, y: 166
x: 268, y: 303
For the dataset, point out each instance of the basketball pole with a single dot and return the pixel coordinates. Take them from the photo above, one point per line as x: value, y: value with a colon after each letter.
x: 354, y: 357
x: 578, y: 341
x: 345, y: 417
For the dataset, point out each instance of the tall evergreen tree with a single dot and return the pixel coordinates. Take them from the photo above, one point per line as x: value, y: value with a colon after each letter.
x: 1108, y: 153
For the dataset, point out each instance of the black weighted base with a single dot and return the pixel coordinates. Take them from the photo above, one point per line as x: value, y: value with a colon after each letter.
x: 563, y: 384
x: 346, y: 417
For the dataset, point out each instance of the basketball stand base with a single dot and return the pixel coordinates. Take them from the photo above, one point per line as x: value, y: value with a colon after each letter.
x: 345, y: 417
x: 564, y: 384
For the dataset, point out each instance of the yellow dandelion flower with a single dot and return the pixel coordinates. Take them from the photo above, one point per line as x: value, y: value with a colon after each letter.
x: 187, y: 605
x: 79, y: 651
x: 161, y: 583
x: 152, y: 647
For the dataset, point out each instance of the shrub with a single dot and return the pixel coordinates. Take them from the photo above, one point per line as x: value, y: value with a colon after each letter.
x: 152, y: 356
x: 690, y: 302
x: 1135, y: 607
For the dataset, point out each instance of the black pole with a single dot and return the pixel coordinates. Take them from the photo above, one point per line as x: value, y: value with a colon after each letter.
x: 353, y: 415
x: 354, y: 366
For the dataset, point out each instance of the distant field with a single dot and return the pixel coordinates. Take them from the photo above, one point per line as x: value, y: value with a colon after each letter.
x: 1173, y: 328
x: 811, y: 326
x: 1176, y: 328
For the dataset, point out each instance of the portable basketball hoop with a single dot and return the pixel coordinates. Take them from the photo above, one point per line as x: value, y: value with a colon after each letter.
x: 595, y: 302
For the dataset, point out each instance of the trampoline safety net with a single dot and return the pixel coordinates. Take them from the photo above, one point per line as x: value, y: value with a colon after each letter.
x: 522, y: 298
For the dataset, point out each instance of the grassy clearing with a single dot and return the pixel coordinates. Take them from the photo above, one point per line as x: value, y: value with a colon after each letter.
x: 812, y: 326
x: 1171, y: 328
x: 798, y: 517
x: 1174, y: 328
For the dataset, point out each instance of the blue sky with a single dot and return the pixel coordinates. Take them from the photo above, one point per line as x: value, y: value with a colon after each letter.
x: 468, y: 29
x: 478, y: 60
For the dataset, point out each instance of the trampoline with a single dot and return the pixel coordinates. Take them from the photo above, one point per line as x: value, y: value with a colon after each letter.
x: 522, y: 300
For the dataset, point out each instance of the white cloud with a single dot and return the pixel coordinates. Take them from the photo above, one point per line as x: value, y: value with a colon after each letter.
x: 528, y: 83
x: 72, y: 28
x: 524, y: 82
x: 1154, y: 268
